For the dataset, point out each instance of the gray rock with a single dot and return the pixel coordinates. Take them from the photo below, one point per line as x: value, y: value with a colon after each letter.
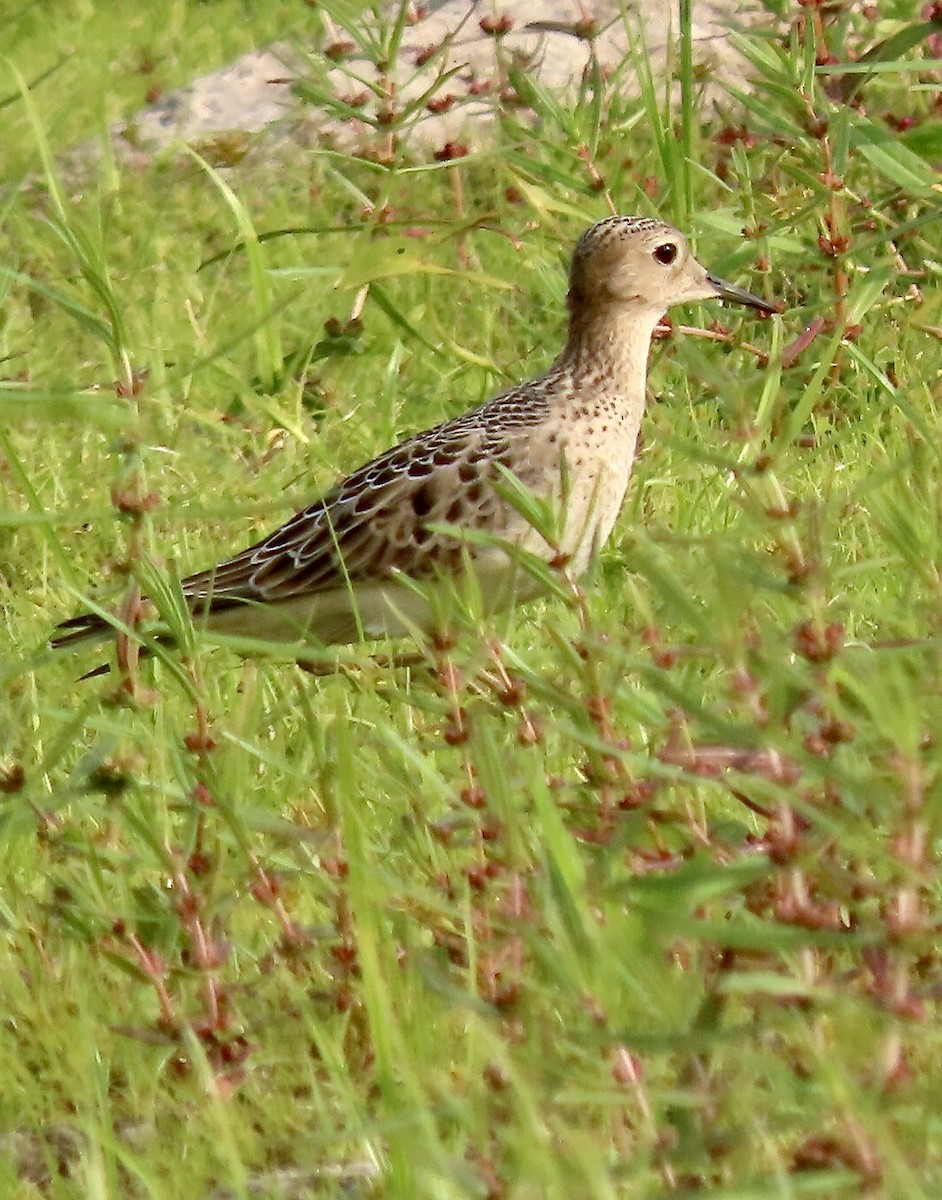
x: 549, y: 40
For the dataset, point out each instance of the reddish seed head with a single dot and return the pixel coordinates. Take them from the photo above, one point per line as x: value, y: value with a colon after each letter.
x: 451, y: 151
x: 638, y: 795
x: 799, y: 569
x: 199, y: 864
x: 900, y: 1075
x: 132, y: 503
x: 473, y: 796
x: 507, y: 996
x: 496, y: 26
x: 626, y: 1068
x: 203, y: 796
x: 441, y: 104
x: 496, y: 1077
x: 234, y: 1052
x: 126, y: 388
x: 477, y: 878
x: 345, y: 953
x: 511, y: 97
x: 456, y: 731
x: 337, y: 50
x: 199, y: 743
x: 836, y: 731
x: 491, y: 831
x: 819, y: 644
x: 12, y: 778
x: 267, y: 888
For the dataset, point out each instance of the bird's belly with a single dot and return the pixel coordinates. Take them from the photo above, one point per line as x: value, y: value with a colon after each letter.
x: 374, y: 610
x: 388, y: 608
x: 591, y: 498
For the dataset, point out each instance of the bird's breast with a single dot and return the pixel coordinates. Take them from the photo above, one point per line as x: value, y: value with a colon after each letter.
x: 587, y: 455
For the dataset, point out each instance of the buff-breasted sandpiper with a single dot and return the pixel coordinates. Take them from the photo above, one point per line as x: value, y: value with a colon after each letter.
x: 346, y: 566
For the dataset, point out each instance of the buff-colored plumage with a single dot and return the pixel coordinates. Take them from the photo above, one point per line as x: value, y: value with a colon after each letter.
x: 334, y: 572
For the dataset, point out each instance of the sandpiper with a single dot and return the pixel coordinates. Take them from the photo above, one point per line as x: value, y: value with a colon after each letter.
x: 347, y: 566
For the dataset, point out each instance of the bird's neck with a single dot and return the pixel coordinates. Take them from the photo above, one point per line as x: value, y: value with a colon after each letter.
x: 608, y: 346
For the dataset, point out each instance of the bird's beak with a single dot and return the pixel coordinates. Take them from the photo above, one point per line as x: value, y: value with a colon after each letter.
x: 729, y: 291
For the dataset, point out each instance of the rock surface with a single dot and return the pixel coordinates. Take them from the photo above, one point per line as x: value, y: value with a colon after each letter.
x: 354, y: 99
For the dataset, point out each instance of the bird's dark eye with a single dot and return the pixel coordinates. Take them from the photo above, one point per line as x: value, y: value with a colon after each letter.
x: 666, y: 253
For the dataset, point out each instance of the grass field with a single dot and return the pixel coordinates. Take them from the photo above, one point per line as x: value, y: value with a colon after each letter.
x: 632, y: 893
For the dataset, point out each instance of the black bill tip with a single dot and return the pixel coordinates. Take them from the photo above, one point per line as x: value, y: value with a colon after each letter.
x: 738, y: 295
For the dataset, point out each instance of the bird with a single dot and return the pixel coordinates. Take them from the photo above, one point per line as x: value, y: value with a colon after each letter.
x: 364, y: 560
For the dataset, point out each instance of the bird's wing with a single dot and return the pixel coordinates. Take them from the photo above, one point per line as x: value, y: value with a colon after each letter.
x: 376, y: 520
x: 373, y: 523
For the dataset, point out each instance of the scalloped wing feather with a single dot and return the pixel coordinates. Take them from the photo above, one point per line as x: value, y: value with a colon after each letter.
x: 374, y: 523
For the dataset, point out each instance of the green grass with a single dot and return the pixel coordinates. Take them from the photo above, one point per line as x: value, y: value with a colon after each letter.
x: 89, y: 69
x: 629, y: 894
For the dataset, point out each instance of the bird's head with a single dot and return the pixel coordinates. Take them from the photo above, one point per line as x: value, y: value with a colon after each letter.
x: 644, y: 264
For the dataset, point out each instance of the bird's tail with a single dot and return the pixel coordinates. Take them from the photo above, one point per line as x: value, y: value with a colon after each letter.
x: 83, y: 628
